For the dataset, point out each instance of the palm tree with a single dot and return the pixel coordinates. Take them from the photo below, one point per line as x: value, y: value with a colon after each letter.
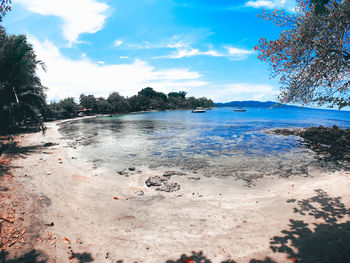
x: 22, y: 96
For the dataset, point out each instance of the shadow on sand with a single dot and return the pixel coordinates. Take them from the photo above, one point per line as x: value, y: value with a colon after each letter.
x: 328, y: 240
x: 36, y: 256
x: 33, y: 256
x: 13, y: 150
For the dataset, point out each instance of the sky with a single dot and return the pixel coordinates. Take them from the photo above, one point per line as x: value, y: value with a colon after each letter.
x: 203, y: 47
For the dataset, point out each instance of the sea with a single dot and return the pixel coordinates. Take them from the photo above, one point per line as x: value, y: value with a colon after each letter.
x: 220, y: 142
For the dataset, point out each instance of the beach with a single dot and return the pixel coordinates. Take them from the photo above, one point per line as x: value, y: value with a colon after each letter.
x: 76, y: 212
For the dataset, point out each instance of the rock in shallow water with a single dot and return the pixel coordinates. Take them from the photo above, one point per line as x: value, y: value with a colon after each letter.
x: 155, y: 181
x: 162, y: 183
x: 171, y: 173
x: 169, y: 187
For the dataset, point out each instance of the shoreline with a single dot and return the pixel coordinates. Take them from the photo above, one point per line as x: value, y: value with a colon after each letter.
x: 225, y: 220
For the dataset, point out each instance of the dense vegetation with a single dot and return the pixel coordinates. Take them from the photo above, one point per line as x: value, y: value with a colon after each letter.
x: 146, y: 99
x: 22, y: 96
x: 312, y: 54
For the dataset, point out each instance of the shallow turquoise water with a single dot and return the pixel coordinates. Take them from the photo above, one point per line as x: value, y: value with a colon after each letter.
x: 218, y: 142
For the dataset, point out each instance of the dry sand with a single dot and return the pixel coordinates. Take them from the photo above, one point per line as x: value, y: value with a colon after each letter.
x: 219, y: 219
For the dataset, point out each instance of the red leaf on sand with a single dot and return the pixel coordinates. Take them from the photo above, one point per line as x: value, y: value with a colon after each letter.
x: 116, y: 197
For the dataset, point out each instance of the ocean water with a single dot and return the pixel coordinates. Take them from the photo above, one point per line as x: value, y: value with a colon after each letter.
x: 220, y: 142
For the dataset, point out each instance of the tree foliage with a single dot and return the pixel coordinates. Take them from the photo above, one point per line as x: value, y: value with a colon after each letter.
x: 64, y: 109
x: 22, y: 96
x: 4, y: 8
x: 312, y: 54
x: 88, y: 101
x: 118, y: 103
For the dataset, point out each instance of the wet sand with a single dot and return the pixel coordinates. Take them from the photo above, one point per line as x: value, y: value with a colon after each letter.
x: 81, y: 213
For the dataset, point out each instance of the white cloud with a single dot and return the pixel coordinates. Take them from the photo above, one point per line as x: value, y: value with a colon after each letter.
x: 79, y: 16
x: 118, y: 43
x: 66, y: 77
x: 232, y: 52
x: 238, y: 54
x: 190, y: 52
x: 242, y: 91
x: 271, y: 4
x: 123, y: 57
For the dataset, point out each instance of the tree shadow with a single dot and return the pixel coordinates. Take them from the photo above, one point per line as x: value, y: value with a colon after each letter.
x: 199, y: 257
x: 327, y: 241
x: 12, y: 150
x: 83, y: 257
x: 196, y: 257
x: 36, y: 256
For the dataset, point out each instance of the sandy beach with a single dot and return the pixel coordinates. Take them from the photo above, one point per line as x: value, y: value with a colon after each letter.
x: 72, y: 211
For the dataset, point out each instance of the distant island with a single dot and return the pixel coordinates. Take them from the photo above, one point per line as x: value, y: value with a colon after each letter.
x: 253, y: 103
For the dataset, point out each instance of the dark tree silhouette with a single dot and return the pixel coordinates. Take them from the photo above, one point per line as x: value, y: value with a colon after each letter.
x: 22, y: 95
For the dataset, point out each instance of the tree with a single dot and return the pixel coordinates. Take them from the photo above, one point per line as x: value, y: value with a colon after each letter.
x: 22, y: 96
x: 118, y: 102
x: 66, y: 108
x: 88, y: 101
x: 180, y: 94
x: 139, y: 103
x: 4, y: 8
x: 152, y: 94
x: 312, y: 54
x: 103, y: 106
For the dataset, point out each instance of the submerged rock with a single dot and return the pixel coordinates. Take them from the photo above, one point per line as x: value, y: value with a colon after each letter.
x: 162, y: 183
x: 123, y: 172
x: 155, y: 181
x: 169, y: 187
x: 171, y: 173
x: 140, y: 193
x: 330, y: 143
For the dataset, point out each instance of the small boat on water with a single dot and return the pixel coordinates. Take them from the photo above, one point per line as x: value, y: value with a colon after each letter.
x: 198, y: 111
x: 240, y: 110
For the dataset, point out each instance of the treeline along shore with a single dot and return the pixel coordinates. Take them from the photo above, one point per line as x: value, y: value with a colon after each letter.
x: 146, y: 99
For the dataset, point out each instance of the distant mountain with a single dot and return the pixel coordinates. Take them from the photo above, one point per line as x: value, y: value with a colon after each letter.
x: 253, y: 103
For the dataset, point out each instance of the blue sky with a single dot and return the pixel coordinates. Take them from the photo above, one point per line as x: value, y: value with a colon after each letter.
x: 204, y: 47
